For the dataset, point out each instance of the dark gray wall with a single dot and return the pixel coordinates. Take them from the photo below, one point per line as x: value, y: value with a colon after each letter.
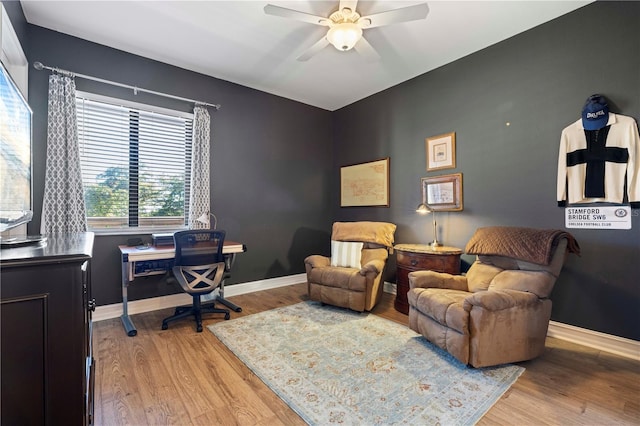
x: 537, y: 82
x: 270, y: 166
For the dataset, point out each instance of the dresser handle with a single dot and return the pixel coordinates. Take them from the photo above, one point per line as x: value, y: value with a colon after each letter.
x: 414, y: 262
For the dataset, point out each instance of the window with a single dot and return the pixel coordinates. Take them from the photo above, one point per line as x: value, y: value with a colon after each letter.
x: 135, y: 161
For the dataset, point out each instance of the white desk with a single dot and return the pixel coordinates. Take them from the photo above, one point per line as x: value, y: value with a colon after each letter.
x: 132, y: 255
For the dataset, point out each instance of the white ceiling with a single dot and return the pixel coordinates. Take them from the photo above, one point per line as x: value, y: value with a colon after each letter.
x: 236, y: 41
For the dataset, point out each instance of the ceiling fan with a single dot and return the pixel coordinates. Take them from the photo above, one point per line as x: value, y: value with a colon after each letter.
x: 346, y: 25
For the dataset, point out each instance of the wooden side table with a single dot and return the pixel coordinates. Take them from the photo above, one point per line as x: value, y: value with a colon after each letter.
x: 420, y: 257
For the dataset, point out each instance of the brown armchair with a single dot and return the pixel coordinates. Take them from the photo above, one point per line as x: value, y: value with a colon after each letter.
x: 352, y: 277
x: 499, y: 312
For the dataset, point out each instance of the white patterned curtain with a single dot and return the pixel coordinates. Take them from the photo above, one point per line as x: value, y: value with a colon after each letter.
x: 63, y: 208
x: 199, y: 200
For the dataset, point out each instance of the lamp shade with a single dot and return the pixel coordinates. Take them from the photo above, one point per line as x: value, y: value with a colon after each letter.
x: 423, y: 209
x: 204, y: 219
x: 344, y: 36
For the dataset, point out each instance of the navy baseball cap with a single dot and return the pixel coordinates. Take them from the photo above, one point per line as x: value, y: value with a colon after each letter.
x: 595, y: 113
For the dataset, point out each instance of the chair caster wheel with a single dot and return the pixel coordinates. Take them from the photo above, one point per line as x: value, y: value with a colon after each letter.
x: 199, y: 329
x: 165, y: 326
x: 227, y: 316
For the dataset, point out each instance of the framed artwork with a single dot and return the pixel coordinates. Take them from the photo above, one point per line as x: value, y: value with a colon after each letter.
x: 443, y: 193
x: 441, y: 152
x: 365, y: 184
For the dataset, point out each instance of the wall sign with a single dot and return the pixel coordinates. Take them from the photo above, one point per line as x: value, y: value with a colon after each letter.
x: 610, y: 217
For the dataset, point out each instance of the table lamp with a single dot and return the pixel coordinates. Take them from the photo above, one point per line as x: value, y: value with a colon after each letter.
x: 204, y: 218
x: 424, y: 209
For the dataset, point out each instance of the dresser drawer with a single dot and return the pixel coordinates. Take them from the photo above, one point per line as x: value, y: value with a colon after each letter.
x: 434, y: 262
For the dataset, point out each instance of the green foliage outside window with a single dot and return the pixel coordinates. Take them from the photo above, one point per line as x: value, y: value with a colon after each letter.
x: 159, y: 196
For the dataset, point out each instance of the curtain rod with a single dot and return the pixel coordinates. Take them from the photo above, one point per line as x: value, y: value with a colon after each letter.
x: 39, y: 66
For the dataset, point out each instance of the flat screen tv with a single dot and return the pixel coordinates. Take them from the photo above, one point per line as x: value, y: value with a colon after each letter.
x: 15, y: 155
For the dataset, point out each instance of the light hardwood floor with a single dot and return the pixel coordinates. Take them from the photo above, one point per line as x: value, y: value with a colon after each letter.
x: 181, y: 377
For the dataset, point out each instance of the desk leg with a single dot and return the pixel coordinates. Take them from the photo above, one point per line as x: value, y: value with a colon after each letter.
x: 229, y: 261
x: 126, y: 320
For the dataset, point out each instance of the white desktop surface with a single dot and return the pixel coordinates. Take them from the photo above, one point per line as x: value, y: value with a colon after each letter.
x: 136, y: 254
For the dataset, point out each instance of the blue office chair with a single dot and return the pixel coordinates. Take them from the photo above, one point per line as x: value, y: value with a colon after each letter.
x: 199, y: 269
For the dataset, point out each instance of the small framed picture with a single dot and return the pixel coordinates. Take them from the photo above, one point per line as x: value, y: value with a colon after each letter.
x: 443, y: 193
x: 441, y: 152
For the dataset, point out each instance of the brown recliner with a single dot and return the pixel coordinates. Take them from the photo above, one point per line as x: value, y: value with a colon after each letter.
x: 499, y: 312
x: 357, y: 287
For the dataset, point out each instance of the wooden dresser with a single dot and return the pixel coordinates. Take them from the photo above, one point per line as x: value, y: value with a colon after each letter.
x: 47, y: 364
x: 420, y: 257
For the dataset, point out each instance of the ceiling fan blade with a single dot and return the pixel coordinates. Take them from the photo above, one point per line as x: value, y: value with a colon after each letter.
x: 283, y: 12
x: 318, y: 46
x: 410, y: 13
x: 364, y: 48
x: 349, y: 4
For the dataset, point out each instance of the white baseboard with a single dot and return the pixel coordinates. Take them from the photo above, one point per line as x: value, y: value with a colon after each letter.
x: 162, y: 302
x: 605, y: 342
x: 389, y: 287
x: 594, y: 339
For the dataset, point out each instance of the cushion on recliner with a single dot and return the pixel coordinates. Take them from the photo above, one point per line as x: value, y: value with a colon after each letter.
x: 433, y: 279
x: 539, y: 283
x: 443, y: 306
x: 501, y: 262
x: 479, y: 276
x: 369, y: 254
x: 346, y: 278
x: 346, y: 254
x: 367, y: 232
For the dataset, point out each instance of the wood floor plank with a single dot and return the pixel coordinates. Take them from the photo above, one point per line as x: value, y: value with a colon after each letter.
x: 117, y: 400
x: 187, y: 372
x: 157, y: 389
x: 179, y: 376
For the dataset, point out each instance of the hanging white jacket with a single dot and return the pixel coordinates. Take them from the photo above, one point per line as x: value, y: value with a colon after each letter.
x: 593, y: 164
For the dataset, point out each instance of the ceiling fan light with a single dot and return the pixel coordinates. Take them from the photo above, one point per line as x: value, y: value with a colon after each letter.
x: 344, y: 36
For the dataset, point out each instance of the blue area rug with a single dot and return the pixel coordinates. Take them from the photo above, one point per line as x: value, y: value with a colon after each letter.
x: 335, y: 366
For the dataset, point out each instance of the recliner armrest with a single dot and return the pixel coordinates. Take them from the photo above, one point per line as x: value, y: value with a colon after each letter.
x: 317, y: 261
x: 497, y: 300
x: 376, y: 266
x: 432, y: 279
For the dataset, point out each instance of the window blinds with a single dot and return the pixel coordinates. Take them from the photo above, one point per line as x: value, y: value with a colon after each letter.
x: 135, y: 164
